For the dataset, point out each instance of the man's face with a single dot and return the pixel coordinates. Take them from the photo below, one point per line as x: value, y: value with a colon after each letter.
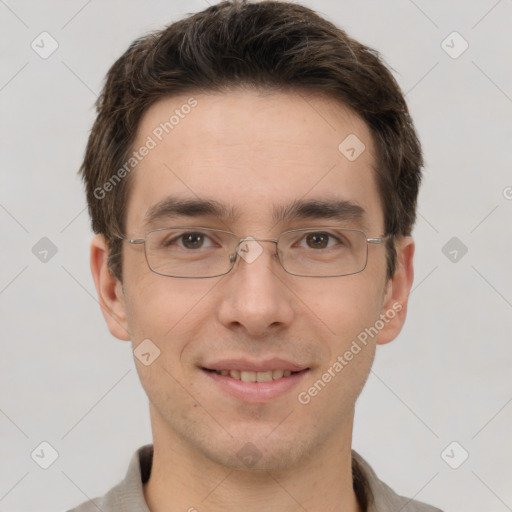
x: 254, y: 154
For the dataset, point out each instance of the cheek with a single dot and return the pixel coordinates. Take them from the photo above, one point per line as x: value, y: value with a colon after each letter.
x: 173, y: 314
x: 349, y: 308
x: 345, y: 305
x: 156, y: 305
x: 166, y: 314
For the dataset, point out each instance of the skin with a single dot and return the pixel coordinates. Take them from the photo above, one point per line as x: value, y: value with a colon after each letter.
x: 252, y: 151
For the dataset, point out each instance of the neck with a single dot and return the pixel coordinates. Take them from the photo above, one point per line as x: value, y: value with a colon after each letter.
x: 184, y: 480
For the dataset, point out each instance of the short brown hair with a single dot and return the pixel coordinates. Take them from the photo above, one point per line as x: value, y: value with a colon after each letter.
x: 271, y: 44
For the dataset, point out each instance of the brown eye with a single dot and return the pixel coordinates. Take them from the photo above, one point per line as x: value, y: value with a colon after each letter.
x: 193, y: 240
x: 317, y: 240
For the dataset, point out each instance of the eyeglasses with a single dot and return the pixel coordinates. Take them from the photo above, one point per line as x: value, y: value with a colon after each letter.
x: 195, y: 252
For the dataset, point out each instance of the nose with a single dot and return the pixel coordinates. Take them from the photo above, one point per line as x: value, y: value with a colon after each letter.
x: 255, y: 297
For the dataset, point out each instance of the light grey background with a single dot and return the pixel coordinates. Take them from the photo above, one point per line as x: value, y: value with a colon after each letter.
x: 66, y: 381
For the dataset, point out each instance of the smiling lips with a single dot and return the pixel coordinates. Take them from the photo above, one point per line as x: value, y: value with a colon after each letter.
x: 255, y: 382
x: 249, y: 371
x: 250, y: 376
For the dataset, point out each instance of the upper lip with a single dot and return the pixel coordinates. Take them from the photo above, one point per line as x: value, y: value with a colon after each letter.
x: 255, y: 366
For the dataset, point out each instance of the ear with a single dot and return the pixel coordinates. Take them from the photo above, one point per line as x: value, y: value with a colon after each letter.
x: 109, y: 289
x: 394, y: 309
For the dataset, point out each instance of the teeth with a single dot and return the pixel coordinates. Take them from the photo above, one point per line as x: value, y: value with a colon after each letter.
x: 248, y: 376
x: 264, y: 376
x: 277, y: 374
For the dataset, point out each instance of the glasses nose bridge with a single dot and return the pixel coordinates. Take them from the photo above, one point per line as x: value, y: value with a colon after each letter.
x: 252, y: 239
x: 237, y: 251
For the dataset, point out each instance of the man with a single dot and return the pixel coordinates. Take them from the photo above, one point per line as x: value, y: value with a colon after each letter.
x: 252, y: 178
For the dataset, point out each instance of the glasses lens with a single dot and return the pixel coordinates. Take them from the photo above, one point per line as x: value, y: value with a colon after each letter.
x: 323, y: 252
x: 189, y: 252
x: 202, y: 252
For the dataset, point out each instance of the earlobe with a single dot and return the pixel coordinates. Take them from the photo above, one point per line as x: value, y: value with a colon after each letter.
x: 394, y: 310
x: 109, y: 290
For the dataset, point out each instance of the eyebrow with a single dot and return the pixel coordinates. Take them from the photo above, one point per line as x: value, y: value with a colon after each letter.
x: 338, y: 209
x: 300, y: 209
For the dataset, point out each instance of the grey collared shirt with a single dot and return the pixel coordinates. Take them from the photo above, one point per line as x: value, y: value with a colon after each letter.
x: 128, y: 495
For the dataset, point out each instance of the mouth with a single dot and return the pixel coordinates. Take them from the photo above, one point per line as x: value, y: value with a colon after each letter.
x: 251, y: 376
x: 254, y: 385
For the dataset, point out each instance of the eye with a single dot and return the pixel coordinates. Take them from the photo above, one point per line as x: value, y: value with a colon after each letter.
x: 189, y: 240
x: 193, y: 240
x: 320, y: 240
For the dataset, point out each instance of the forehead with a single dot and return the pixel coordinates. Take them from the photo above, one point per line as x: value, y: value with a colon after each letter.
x: 255, y: 153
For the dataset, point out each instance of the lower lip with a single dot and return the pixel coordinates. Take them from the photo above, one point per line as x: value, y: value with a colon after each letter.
x: 256, y: 392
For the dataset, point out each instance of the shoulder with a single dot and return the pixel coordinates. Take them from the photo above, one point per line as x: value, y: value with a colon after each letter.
x: 378, y: 495
x: 89, y: 506
x: 114, y: 501
x: 127, y: 494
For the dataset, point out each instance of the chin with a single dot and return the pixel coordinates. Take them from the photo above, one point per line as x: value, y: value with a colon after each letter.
x: 255, y: 452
